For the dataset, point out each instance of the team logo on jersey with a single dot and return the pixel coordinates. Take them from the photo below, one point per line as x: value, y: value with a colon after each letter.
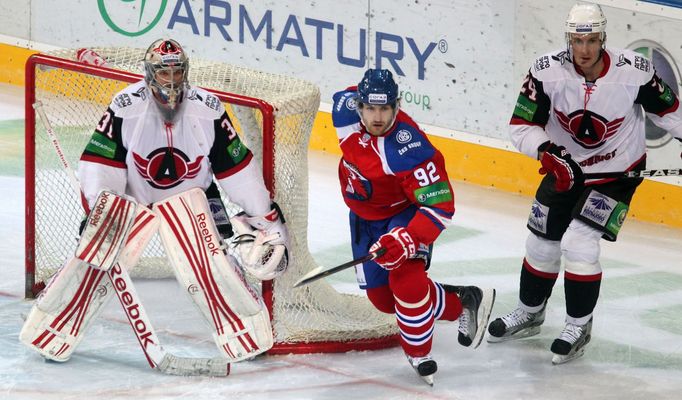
x: 364, y: 140
x: 351, y: 103
x: 403, y: 136
x: 141, y: 93
x: 588, y: 129
x: 166, y: 168
x: 357, y: 186
x: 562, y: 57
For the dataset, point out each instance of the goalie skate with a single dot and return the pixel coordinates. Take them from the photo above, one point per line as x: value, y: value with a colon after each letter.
x: 517, y: 324
x: 571, y: 342
x: 425, y: 367
x: 476, y: 307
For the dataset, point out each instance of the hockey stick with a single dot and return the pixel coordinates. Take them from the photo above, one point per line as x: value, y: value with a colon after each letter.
x: 321, y: 272
x: 636, y: 174
x: 156, y: 355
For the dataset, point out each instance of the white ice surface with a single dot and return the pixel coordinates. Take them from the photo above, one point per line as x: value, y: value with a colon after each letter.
x: 636, y: 352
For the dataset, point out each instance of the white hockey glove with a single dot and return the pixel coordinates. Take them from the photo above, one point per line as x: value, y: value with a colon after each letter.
x: 262, y: 243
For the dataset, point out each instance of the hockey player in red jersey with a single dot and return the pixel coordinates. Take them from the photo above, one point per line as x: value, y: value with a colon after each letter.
x: 395, y: 184
x: 580, y: 111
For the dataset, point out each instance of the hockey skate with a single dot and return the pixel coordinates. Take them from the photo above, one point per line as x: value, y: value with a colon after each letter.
x: 571, y: 342
x: 516, y: 325
x: 476, y: 307
x: 425, y: 367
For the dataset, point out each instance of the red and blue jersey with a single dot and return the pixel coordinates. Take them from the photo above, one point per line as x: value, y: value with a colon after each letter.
x: 381, y: 176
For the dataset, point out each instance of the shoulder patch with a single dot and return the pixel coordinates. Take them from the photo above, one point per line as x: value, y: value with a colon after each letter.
x: 127, y: 98
x: 123, y: 100
x: 206, y: 98
x: 642, y: 63
x: 344, y: 112
x: 407, y: 148
x: 541, y: 63
x: 545, y: 61
x: 634, y: 60
x: 213, y: 102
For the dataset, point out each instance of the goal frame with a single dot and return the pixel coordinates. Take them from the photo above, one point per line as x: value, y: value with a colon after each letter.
x: 268, y: 167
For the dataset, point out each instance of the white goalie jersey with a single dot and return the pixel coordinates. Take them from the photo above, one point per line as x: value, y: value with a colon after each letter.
x: 134, y: 151
x: 601, y: 123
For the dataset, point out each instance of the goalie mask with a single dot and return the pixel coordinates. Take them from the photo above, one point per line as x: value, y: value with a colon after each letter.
x: 166, y: 67
x: 584, y: 19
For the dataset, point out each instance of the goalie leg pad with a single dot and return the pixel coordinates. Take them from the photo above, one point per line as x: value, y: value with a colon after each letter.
x: 106, y: 230
x: 76, y: 294
x: 64, y: 310
x: 215, y: 283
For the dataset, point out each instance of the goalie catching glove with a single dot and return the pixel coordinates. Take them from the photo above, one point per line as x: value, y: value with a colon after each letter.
x: 262, y: 243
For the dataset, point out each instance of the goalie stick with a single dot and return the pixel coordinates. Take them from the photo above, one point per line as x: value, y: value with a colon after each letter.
x: 321, y: 272
x: 647, y: 173
x: 156, y: 355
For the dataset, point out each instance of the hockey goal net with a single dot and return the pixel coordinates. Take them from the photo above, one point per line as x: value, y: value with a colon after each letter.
x: 273, y: 113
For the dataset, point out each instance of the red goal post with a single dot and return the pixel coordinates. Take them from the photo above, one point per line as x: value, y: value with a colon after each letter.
x: 274, y: 116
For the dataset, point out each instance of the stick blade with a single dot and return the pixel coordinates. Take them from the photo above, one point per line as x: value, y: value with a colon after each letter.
x: 173, y: 365
x: 311, y: 276
x: 321, y: 272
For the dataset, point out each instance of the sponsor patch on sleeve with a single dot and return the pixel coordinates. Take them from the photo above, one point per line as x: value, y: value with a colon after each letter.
x: 433, y: 194
x: 101, y: 145
x: 525, y: 108
x: 236, y: 150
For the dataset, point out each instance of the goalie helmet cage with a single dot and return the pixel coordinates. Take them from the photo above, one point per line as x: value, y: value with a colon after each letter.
x: 313, y: 319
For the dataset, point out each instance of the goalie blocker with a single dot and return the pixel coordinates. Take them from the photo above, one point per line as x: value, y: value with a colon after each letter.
x: 117, y: 231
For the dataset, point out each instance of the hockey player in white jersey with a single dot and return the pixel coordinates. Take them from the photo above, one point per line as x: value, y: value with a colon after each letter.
x: 162, y: 142
x: 580, y: 111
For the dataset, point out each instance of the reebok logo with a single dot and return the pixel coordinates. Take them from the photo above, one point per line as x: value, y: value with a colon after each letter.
x: 133, y: 310
x: 99, y: 209
x: 207, y: 236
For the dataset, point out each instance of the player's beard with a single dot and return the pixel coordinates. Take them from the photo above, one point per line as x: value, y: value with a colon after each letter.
x: 169, y: 113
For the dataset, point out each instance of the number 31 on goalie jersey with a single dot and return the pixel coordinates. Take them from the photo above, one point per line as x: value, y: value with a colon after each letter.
x: 105, y: 125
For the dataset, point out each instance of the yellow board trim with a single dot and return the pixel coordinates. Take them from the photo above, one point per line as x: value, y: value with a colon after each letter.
x: 12, y: 61
x: 504, y: 170
x: 517, y: 173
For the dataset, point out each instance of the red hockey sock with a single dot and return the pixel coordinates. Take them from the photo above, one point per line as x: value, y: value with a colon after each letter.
x: 413, y: 306
x: 446, y: 305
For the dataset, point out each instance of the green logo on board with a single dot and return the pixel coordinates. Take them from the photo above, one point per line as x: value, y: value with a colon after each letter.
x: 140, y: 29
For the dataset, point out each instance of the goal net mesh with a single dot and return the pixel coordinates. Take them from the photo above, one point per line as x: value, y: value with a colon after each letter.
x: 74, y: 101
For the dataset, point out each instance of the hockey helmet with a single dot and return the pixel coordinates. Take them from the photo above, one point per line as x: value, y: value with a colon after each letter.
x: 162, y: 60
x: 378, y: 87
x: 584, y: 19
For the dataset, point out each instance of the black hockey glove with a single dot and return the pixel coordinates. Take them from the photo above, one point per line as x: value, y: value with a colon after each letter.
x: 558, y: 162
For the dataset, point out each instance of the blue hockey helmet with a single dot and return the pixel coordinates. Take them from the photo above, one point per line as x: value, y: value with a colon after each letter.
x: 377, y: 87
